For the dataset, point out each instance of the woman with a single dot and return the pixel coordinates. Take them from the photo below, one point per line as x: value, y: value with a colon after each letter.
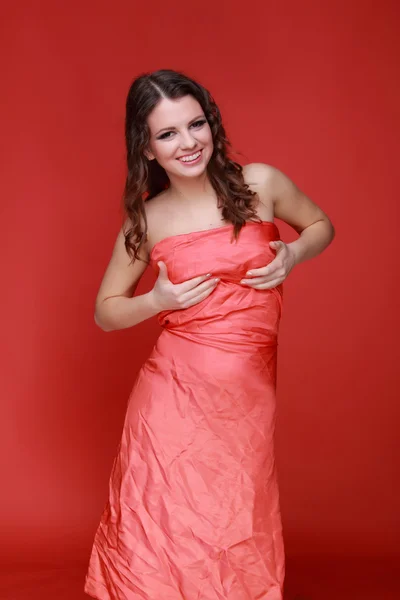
x: 193, y: 509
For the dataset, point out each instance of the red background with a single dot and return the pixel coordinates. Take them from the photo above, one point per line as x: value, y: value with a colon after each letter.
x: 311, y: 88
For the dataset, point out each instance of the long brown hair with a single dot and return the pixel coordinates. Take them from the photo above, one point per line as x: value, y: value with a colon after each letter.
x: 146, y: 179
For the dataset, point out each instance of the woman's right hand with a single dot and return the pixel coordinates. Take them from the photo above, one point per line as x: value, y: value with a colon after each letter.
x: 169, y: 296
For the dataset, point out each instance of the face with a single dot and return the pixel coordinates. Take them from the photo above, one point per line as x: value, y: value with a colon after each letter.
x: 180, y: 137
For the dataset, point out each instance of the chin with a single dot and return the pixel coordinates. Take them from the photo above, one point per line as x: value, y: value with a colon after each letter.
x: 194, y: 172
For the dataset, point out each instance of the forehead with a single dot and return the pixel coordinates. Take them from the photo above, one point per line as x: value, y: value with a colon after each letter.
x: 173, y: 113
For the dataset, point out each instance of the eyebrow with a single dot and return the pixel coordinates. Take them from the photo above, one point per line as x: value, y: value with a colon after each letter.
x: 190, y: 122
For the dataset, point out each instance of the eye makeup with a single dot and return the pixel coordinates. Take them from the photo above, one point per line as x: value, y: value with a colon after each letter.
x: 197, y: 124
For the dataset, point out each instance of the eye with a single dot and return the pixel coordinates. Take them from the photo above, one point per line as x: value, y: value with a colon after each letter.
x: 198, y: 123
x: 164, y: 136
x: 167, y: 134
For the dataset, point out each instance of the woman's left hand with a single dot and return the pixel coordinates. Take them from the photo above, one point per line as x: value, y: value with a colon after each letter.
x: 276, y: 271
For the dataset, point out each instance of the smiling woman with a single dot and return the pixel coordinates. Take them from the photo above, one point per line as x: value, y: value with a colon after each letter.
x: 188, y: 142
x: 193, y: 510
x: 165, y: 131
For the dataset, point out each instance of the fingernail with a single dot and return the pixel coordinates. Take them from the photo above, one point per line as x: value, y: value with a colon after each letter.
x: 249, y: 273
x: 216, y: 279
x: 208, y: 275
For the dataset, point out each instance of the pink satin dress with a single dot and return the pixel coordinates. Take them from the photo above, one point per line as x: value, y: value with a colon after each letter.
x: 193, y: 508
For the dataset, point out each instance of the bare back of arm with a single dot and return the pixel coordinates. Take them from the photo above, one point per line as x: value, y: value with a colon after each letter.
x: 116, y: 307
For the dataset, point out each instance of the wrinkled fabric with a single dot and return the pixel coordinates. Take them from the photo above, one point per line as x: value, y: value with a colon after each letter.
x: 193, y: 509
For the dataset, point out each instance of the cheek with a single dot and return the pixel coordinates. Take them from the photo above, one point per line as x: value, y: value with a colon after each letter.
x: 205, y: 137
x: 208, y: 142
x: 164, y: 151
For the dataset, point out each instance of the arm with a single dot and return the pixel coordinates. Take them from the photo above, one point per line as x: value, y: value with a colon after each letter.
x: 278, y: 192
x: 293, y: 207
x: 297, y: 210
x: 115, y: 308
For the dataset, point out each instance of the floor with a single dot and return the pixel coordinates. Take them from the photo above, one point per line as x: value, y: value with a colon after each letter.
x: 305, y: 580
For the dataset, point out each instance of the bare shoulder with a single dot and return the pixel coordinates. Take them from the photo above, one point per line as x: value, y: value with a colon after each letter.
x: 276, y: 189
x: 258, y: 173
x: 156, y: 211
x: 153, y: 205
x: 259, y: 178
x: 262, y: 177
x: 268, y: 182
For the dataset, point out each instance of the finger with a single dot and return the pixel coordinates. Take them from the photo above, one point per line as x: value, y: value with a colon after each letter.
x: 189, y: 284
x: 268, y: 274
x: 202, y: 287
x: 259, y: 280
x: 200, y: 297
x: 265, y: 286
x: 163, y: 273
x: 270, y: 268
x: 276, y: 244
x: 255, y: 281
x: 257, y: 272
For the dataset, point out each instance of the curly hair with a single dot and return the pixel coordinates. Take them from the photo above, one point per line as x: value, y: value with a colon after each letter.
x: 146, y: 179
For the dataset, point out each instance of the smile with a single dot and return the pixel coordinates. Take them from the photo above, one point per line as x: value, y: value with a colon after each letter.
x: 190, y: 158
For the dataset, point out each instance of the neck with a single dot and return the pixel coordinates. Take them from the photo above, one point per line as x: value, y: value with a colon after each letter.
x: 192, y: 189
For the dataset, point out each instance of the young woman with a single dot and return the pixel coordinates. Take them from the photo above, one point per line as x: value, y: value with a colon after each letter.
x: 193, y: 508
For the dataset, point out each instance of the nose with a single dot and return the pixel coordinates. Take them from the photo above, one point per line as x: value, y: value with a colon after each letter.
x: 188, y: 142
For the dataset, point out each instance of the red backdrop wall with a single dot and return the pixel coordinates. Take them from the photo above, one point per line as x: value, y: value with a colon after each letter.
x: 308, y: 87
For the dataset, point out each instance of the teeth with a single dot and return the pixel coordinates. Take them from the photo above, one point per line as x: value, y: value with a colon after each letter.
x: 190, y: 158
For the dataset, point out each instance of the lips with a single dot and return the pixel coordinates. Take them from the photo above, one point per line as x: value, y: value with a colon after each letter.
x: 191, y: 154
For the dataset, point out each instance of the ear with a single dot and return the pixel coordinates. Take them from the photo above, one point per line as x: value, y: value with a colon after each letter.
x: 149, y: 155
